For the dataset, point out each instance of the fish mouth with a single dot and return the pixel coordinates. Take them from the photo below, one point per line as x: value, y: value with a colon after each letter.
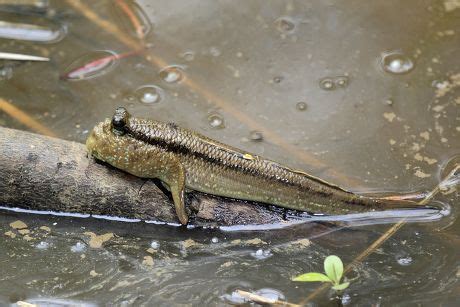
x: 91, y: 147
x: 91, y: 144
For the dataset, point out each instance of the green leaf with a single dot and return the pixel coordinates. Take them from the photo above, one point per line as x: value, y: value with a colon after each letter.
x: 341, y: 286
x: 333, y: 267
x: 313, y: 276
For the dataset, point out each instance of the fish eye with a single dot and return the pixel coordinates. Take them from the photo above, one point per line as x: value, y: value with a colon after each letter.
x: 119, y: 121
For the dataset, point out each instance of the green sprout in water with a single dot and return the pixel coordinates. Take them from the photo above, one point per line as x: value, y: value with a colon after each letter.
x: 333, y: 267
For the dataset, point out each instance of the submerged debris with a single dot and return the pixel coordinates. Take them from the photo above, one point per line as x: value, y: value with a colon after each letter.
x: 18, y: 225
x: 97, y: 241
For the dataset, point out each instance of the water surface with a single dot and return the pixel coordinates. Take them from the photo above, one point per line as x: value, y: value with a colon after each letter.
x: 362, y: 94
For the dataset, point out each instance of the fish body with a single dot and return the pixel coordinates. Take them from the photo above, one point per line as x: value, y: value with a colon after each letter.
x: 183, y: 159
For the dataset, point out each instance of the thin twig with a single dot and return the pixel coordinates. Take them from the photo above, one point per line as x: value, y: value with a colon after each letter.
x: 24, y: 118
x: 132, y: 18
x: 377, y: 243
x: 263, y: 300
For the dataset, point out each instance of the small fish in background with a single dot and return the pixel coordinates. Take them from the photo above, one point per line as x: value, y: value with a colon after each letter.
x: 94, y: 64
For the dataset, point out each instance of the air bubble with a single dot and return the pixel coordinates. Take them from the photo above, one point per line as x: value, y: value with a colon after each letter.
x: 301, y: 106
x: 327, y: 84
x: 214, y: 51
x: 404, y: 261
x: 256, y: 136
x: 188, y: 56
x: 346, y: 299
x: 271, y: 294
x: 42, y: 245
x: 261, y: 254
x: 172, y: 74
x: 216, y: 121
x: 215, y: 240
x: 6, y: 72
x: 235, y: 298
x: 155, y: 244
x: 277, y: 79
x: 396, y: 62
x: 285, y: 24
x: 341, y: 81
x: 389, y: 101
x: 78, y: 247
x: 148, y: 94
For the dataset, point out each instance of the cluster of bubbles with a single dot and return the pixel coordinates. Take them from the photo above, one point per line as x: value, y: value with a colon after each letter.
x: 152, y: 94
x: 42, y: 245
x: 332, y: 83
x: 78, y: 247
x: 261, y: 254
x: 404, y: 260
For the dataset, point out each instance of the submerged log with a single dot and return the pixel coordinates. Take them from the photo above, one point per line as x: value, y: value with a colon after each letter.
x: 49, y: 174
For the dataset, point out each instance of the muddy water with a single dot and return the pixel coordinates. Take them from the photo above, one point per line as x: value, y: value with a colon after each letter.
x: 366, y: 95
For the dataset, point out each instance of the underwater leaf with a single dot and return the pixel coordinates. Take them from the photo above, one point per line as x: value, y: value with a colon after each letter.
x: 342, y: 286
x: 333, y: 267
x: 313, y: 276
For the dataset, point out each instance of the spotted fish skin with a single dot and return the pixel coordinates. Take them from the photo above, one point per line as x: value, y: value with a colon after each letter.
x: 183, y: 158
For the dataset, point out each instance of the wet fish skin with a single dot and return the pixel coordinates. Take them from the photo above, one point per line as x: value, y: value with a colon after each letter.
x: 183, y: 159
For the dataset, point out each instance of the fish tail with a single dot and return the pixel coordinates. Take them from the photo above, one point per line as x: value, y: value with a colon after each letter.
x: 393, y: 203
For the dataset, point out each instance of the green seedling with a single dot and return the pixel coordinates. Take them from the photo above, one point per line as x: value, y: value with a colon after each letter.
x: 333, y: 267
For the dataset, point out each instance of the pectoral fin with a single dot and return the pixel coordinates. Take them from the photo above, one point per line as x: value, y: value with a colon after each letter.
x: 176, y: 182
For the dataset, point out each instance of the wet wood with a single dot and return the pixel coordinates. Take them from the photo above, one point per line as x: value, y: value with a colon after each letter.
x: 50, y: 174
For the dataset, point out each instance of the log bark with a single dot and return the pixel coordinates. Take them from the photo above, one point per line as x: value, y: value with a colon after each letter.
x: 49, y: 174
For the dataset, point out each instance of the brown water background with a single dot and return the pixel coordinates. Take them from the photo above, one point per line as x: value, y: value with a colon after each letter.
x: 363, y: 94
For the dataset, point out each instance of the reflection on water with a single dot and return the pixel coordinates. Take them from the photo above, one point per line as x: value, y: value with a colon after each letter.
x: 148, y: 94
x: 31, y: 32
x: 172, y: 74
x: 396, y: 62
x: 133, y: 19
x: 91, y: 65
x: 331, y: 88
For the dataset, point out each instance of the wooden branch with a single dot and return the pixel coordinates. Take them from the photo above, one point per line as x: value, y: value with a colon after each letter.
x: 49, y: 174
